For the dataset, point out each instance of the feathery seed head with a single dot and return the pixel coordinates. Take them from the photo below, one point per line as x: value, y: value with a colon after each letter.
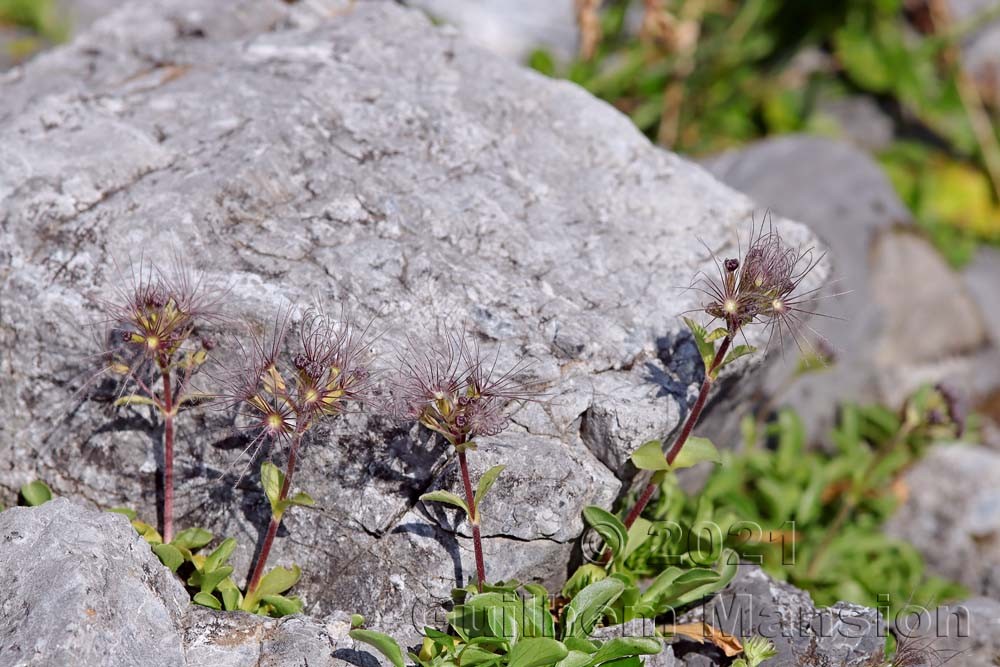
x: 327, y: 374
x: 761, y: 287
x: 152, y: 317
x: 449, y: 387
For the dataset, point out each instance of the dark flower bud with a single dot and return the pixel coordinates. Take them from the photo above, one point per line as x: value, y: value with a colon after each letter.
x: 300, y: 361
x: 953, y: 402
x: 732, y: 264
x: 208, y: 344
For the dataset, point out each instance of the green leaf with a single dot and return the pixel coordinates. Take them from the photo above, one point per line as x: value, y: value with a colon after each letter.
x: 147, y: 532
x: 608, y: 526
x: 210, y: 580
x: 448, y: 497
x: 192, y: 539
x: 536, y: 652
x: 626, y: 647
x: 384, y: 644
x: 486, y: 481
x: 474, y: 655
x: 207, y: 600
x: 357, y: 620
x: 575, y: 659
x: 283, y: 606
x: 582, y: 644
x: 728, y: 566
x: 301, y: 498
x: 278, y: 580
x: 640, y: 531
x: 694, y: 451
x: 275, y: 582
x: 231, y: 596
x: 502, y: 622
x: 130, y: 513
x: 272, y: 479
x: 169, y: 555
x: 706, y: 348
x: 586, y: 609
x: 631, y: 661
x: 650, y: 456
x: 717, y: 334
x: 585, y: 575
x: 35, y: 493
x: 736, y: 353
x: 538, y: 621
x: 220, y: 555
x: 134, y: 399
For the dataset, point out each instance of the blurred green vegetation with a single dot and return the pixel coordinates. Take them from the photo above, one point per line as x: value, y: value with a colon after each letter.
x: 701, y: 76
x: 812, y: 516
x: 40, y: 21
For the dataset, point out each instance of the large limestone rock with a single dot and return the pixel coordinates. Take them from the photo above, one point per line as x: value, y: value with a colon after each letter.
x: 70, y: 599
x: 373, y: 162
x: 753, y: 603
x: 965, y: 633
x: 952, y: 515
x: 84, y: 588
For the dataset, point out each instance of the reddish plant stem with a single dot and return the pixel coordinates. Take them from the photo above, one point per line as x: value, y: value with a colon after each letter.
x: 685, y: 433
x: 168, y: 457
x: 470, y: 500
x: 272, y: 527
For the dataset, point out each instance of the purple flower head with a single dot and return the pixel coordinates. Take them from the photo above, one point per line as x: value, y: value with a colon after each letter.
x: 449, y: 387
x: 762, y: 287
x: 280, y: 397
x: 150, y: 319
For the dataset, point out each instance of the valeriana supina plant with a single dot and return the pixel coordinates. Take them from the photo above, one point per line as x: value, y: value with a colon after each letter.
x: 283, y: 397
x: 448, y: 386
x: 153, y: 346
x: 761, y: 288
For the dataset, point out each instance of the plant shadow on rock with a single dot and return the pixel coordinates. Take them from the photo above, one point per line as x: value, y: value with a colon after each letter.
x: 355, y: 657
x: 446, y: 538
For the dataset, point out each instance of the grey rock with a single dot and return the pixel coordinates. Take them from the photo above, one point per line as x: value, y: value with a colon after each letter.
x: 84, y: 588
x: 952, y: 514
x: 753, y: 603
x: 70, y: 599
x: 637, y: 412
x: 388, y: 167
x: 932, y: 329
x: 509, y: 28
x: 981, y: 277
x: 906, y: 317
x: 859, y: 120
x: 215, y: 639
x: 541, y: 487
x: 965, y: 633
